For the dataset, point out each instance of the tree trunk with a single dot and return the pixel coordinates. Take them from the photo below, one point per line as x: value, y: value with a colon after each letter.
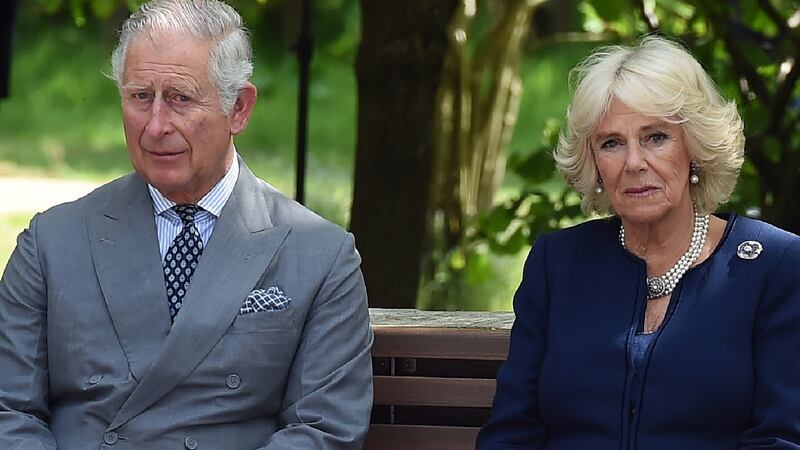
x: 398, y: 69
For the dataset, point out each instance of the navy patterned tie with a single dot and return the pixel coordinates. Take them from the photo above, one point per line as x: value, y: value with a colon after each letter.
x: 181, y: 258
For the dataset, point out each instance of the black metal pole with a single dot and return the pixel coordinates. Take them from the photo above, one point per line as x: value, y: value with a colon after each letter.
x: 305, y: 51
x: 7, y: 14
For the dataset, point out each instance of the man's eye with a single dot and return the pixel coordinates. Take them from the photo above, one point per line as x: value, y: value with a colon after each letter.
x: 180, y: 98
x: 141, y: 95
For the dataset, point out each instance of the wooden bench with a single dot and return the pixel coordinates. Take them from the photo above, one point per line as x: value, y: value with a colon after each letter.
x: 434, y: 376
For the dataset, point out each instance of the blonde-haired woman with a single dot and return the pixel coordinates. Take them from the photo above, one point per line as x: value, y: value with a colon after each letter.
x: 663, y: 326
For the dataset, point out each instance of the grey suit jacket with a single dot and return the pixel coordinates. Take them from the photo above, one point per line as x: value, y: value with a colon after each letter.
x: 88, y: 358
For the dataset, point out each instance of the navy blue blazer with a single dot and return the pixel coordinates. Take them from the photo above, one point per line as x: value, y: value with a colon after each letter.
x: 722, y: 374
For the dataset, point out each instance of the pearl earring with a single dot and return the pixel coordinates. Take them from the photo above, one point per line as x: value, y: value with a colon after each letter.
x: 694, y: 173
x: 599, y: 189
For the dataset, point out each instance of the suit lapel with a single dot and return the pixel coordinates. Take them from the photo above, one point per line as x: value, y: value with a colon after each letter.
x: 240, y: 249
x: 124, y: 248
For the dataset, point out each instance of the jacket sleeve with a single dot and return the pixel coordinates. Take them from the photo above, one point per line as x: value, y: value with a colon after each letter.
x: 515, y: 422
x: 775, y: 422
x: 24, y: 392
x: 328, y: 399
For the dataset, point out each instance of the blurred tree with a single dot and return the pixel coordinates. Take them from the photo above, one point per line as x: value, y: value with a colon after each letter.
x: 468, y: 87
x: 477, y: 109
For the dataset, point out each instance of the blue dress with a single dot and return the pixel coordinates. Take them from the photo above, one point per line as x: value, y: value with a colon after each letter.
x: 721, y: 373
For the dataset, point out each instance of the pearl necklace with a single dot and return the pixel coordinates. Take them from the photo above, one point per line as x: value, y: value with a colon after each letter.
x: 664, y: 284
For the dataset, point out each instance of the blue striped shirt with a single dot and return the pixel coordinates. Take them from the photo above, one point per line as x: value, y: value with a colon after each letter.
x: 168, y: 224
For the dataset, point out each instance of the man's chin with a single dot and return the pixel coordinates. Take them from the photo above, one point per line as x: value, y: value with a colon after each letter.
x: 177, y: 189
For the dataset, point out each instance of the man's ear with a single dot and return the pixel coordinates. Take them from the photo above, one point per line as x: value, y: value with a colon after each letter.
x: 243, y: 108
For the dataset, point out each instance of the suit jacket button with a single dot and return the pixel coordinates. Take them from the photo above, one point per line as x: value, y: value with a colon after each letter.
x: 110, y: 438
x: 190, y: 443
x: 94, y: 379
x: 233, y: 381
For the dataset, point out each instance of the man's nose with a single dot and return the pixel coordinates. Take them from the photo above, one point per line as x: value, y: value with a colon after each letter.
x: 159, y: 123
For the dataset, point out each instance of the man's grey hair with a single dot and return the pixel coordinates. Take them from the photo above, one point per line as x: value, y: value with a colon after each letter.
x: 231, y: 60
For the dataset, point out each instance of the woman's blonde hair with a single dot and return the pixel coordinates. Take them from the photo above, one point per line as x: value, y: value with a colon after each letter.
x: 655, y: 77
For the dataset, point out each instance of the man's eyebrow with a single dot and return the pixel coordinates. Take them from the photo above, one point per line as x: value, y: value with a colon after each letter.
x: 131, y: 86
x: 188, y: 88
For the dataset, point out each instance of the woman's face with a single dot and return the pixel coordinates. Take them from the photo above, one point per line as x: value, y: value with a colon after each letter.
x: 643, y: 162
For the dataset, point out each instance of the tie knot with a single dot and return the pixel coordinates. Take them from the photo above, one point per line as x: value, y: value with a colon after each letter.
x: 186, y: 212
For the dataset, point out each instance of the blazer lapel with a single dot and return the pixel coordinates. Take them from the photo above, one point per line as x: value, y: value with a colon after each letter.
x: 124, y: 248
x: 241, y: 247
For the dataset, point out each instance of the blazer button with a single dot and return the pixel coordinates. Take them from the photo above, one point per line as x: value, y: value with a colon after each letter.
x: 190, y: 443
x: 94, y: 379
x: 110, y: 438
x: 233, y: 381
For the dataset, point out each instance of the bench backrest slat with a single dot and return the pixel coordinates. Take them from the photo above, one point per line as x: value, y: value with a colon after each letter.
x: 430, y: 391
x: 441, y: 343
x: 420, y: 437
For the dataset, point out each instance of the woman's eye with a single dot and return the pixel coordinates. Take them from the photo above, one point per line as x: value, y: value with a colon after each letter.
x: 657, y: 138
x: 609, y: 144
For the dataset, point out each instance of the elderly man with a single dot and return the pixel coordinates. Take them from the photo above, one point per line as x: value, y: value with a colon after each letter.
x: 188, y: 304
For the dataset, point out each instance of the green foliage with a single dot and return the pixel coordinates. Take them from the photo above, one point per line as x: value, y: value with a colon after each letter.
x: 607, y: 10
x: 476, y: 280
x: 543, y: 204
x: 275, y: 22
x: 79, y: 10
x: 536, y: 199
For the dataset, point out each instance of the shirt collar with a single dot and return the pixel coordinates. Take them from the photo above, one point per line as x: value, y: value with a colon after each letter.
x: 212, y: 202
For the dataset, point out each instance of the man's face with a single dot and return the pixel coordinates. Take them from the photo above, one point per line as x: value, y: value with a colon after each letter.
x: 178, y: 138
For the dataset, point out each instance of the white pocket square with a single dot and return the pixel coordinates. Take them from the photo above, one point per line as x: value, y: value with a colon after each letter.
x: 271, y: 299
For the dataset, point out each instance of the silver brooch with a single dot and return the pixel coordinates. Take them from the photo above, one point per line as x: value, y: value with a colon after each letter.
x: 656, y: 287
x: 749, y: 249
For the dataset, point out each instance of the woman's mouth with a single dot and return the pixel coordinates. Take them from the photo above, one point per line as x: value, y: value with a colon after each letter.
x: 641, y: 191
